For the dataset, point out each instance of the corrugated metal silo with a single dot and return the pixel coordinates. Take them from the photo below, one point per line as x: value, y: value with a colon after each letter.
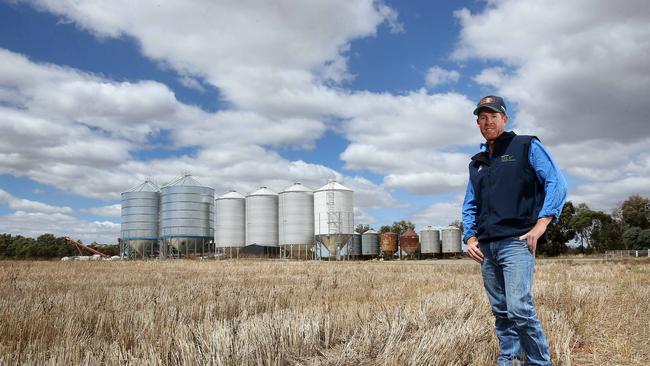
x: 388, y: 243
x: 262, y: 218
x: 408, y: 242
x: 333, y: 215
x: 451, y: 240
x: 370, y: 243
x: 186, y: 216
x: 430, y: 241
x: 354, y: 245
x: 230, y: 228
x: 296, y: 220
x: 139, y: 229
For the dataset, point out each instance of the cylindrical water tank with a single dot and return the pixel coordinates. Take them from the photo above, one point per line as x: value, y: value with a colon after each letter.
x: 388, y: 243
x: 451, y: 240
x: 262, y: 218
x: 370, y: 243
x: 430, y: 241
x: 408, y: 241
x: 230, y: 228
x: 140, y: 217
x: 186, y: 214
x: 354, y: 245
x: 296, y: 216
x: 333, y: 215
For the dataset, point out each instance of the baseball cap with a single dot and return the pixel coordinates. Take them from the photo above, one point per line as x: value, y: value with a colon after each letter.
x: 491, y: 102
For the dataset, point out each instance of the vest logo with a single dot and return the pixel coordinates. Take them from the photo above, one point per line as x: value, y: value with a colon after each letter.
x: 507, y: 158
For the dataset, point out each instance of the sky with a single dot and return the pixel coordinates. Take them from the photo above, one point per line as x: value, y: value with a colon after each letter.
x: 96, y: 96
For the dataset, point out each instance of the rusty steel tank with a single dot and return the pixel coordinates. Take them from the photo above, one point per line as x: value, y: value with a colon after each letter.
x: 408, y: 242
x: 388, y: 243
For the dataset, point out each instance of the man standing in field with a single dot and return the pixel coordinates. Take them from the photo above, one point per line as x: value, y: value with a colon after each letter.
x: 515, y: 190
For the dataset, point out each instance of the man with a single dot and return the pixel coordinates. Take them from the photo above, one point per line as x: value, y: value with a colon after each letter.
x: 515, y: 190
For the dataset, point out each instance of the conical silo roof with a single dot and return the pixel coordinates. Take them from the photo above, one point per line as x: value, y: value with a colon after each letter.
x: 333, y: 186
x: 263, y: 191
x: 297, y: 187
x: 371, y: 231
x: 232, y: 195
x: 185, y: 180
x: 409, y: 232
x: 146, y: 186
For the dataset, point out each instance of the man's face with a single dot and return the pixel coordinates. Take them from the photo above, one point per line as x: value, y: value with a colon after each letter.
x: 492, y: 124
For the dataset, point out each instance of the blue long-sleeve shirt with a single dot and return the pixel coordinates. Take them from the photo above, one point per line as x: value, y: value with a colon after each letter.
x: 555, y: 188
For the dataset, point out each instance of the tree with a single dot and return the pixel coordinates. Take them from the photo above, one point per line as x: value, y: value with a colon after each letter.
x: 399, y: 227
x: 560, y: 233
x: 362, y: 228
x: 635, y: 238
x: 607, y: 233
x: 384, y: 229
x: 636, y: 212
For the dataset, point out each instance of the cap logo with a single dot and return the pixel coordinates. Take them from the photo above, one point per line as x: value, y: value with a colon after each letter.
x: 486, y: 100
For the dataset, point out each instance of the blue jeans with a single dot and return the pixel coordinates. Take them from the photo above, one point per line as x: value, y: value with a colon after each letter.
x: 507, y: 270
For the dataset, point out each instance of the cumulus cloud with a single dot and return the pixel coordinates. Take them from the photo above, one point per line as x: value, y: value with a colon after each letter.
x: 20, y: 204
x: 436, y: 75
x: 108, y: 211
x: 491, y: 76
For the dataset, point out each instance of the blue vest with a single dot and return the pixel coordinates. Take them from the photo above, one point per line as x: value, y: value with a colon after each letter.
x: 508, y: 193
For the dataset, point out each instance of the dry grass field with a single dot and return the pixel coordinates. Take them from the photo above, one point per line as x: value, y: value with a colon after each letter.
x: 308, y: 313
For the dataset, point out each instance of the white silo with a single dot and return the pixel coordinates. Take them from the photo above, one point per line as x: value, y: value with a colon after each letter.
x: 230, y: 227
x: 430, y: 240
x: 451, y: 240
x: 296, y: 219
x: 139, y: 230
x: 186, y: 217
x: 262, y: 218
x: 333, y: 215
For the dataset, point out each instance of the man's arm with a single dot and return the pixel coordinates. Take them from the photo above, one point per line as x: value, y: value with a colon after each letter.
x: 469, y: 224
x: 555, y: 191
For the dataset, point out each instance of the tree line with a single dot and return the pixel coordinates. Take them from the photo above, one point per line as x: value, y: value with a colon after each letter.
x: 45, y: 246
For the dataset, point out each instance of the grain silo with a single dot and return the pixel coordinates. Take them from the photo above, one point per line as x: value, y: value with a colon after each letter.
x: 408, y: 242
x: 333, y: 215
x: 139, y: 231
x: 296, y: 221
x: 262, y: 218
x: 370, y: 243
x: 388, y: 244
x: 430, y: 243
x: 451, y: 240
x: 230, y: 227
x: 354, y: 246
x: 186, y: 217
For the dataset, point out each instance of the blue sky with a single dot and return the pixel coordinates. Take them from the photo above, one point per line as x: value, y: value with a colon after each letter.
x: 377, y: 94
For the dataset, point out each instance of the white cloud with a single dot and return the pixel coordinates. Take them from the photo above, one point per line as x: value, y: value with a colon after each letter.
x: 436, y: 76
x: 439, y: 214
x: 108, y: 211
x: 20, y: 204
x: 491, y: 76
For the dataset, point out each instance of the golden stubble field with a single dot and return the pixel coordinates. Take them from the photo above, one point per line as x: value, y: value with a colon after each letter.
x: 308, y: 313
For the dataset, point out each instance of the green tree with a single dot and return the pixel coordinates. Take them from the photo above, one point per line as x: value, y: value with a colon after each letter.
x: 644, y: 239
x: 399, y: 227
x: 384, y: 229
x: 607, y: 233
x: 636, y: 212
x: 560, y: 233
x: 362, y: 228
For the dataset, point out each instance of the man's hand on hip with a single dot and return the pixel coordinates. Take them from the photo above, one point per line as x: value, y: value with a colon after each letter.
x: 536, y: 232
x: 473, y: 250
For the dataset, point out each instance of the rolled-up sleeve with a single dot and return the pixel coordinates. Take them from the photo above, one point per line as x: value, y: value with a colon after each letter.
x: 555, y: 187
x: 469, y: 213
